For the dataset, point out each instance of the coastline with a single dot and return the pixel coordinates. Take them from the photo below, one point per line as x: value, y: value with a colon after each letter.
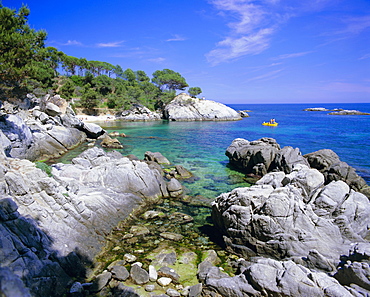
x: 99, y: 118
x: 197, y: 147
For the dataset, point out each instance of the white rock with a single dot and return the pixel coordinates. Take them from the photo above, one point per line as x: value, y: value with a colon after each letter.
x: 164, y: 281
x: 172, y: 293
x: 153, y: 274
x: 186, y: 108
x: 129, y: 258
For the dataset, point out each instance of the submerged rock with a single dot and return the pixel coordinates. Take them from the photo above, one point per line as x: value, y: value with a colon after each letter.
x: 139, y: 275
x: 171, y: 236
x: 156, y: 157
x: 164, y: 281
x: 109, y: 142
x: 120, y: 273
x: 101, y: 281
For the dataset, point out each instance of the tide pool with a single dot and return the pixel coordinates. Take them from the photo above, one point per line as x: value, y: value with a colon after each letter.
x: 200, y: 146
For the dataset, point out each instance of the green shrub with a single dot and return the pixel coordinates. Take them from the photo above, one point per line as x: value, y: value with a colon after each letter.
x: 44, y: 167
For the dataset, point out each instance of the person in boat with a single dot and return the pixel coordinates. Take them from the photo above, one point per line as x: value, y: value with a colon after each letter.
x: 272, y: 121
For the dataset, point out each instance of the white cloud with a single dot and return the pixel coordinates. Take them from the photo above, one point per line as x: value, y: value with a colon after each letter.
x: 232, y: 47
x: 157, y: 60
x: 355, y: 25
x: 250, y: 33
x: 267, y: 76
x: 177, y: 37
x: 72, y: 42
x: 110, y: 44
x: 350, y: 27
x: 254, y: 23
x: 367, y: 56
x: 294, y: 55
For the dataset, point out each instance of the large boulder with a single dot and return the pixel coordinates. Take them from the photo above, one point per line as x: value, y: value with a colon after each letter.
x: 18, y: 135
x: 263, y: 155
x: 329, y: 164
x: 33, y: 140
x: 52, y: 110
x: 187, y: 108
x: 47, y: 131
x: 53, y: 105
x: 54, y: 142
x: 26, y: 257
x: 294, y: 230
x: 92, y: 130
x: 292, y: 215
x: 355, y: 269
x: 268, y: 277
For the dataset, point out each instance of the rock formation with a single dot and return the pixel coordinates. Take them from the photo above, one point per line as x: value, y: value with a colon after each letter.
x: 294, y: 231
x: 139, y: 113
x: 265, y: 155
x: 288, y: 215
x: 186, y: 108
x: 50, y: 224
x: 329, y: 164
x: 293, y: 227
x: 44, y: 131
x: 269, y: 277
x: 316, y: 109
x: 109, y: 142
x: 338, y: 111
x: 349, y: 112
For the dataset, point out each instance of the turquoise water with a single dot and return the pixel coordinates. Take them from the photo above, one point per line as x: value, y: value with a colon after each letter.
x: 200, y: 146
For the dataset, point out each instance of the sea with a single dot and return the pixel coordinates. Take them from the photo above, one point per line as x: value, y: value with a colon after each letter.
x: 200, y: 146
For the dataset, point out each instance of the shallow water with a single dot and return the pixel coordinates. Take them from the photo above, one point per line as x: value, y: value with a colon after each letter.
x: 200, y: 146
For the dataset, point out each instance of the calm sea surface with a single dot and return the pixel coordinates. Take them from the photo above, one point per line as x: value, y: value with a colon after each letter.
x: 200, y: 146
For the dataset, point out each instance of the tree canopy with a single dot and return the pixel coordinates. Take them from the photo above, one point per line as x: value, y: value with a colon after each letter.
x: 19, y: 47
x: 194, y: 91
x: 26, y: 65
x: 169, y: 79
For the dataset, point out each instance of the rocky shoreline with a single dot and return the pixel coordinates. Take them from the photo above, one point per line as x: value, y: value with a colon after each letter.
x: 337, y: 111
x: 182, y: 108
x: 113, y: 225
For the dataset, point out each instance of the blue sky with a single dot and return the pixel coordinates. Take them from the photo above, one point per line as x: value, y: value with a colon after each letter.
x: 236, y: 51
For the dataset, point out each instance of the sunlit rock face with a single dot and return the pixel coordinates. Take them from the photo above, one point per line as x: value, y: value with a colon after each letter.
x: 54, y: 220
x: 187, y: 108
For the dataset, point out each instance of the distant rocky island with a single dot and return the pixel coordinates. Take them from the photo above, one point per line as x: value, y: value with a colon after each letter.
x: 300, y: 230
x: 337, y: 111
